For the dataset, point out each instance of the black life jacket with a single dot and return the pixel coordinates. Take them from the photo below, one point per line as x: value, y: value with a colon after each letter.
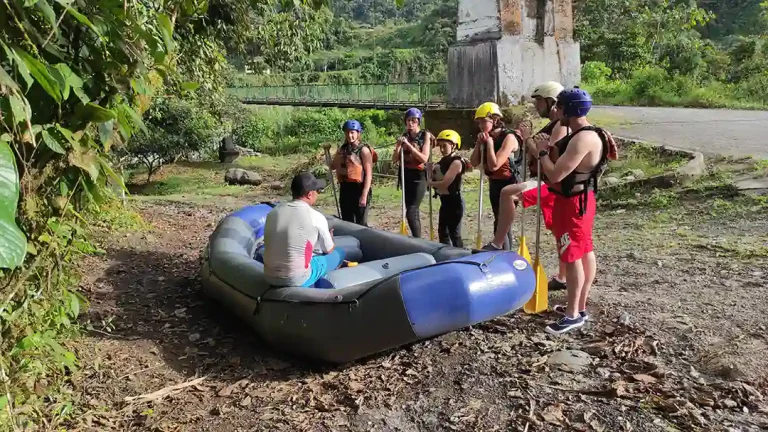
x: 549, y: 128
x: 533, y: 168
x: 514, y: 162
x: 588, y: 180
x: 445, y: 163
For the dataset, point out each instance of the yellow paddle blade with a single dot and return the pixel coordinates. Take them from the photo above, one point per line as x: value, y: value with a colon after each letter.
x: 479, y: 241
x: 540, y: 299
x: 523, y: 250
x: 403, y: 228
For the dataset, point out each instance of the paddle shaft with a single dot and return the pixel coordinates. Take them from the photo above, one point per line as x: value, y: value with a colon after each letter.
x: 522, y: 212
x: 479, y: 236
x: 402, y: 188
x: 429, y: 192
x: 538, y: 208
x: 330, y: 178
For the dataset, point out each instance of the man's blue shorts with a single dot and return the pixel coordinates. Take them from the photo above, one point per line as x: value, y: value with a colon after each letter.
x: 322, y: 264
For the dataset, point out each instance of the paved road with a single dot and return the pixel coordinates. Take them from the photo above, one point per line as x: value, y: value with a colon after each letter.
x: 735, y: 133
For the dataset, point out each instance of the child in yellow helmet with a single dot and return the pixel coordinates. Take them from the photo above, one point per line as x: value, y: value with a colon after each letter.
x: 446, y: 180
x: 501, y: 156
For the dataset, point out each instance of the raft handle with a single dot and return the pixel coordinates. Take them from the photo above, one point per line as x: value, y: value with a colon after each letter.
x: 353, y: 304
x: 257, y: 309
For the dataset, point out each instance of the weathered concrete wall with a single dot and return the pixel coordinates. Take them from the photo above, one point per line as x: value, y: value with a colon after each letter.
x: 476, y: 80
x: 532, y: 42
x: 478, y: 21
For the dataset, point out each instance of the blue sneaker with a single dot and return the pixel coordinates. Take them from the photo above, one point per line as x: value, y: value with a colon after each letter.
x: 564, y: 325
x: 560, y: 309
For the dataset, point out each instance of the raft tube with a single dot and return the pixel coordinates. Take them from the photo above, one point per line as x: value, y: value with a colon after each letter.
x: 404, y: 290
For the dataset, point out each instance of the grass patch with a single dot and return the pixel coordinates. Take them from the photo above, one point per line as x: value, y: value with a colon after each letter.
x: 207, y: 178
x: 114, y: 216
x: 646, y: 158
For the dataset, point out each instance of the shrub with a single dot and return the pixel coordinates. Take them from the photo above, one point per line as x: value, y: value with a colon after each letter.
x: 255, y: 132
x: 176, y: 129
x: 595, y: 72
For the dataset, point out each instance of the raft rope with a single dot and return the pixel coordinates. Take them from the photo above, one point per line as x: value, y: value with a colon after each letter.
x: 339, y: 299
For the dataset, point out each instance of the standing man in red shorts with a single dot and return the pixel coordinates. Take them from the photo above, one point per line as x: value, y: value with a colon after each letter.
x: 545, y: 100
x: 572, y: 167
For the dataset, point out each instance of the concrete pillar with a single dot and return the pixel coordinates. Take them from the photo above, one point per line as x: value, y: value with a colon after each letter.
x: 504, y: 48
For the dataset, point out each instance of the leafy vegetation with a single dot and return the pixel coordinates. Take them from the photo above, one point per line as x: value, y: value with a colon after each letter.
x: 76, y: 77
x: 663, y: 54
x: 352, y: 42
x: 285, y: 131
x: 175, y: 128
x: 635, y: 52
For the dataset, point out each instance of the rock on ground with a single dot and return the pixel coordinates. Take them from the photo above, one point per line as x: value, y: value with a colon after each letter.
x: 239, y: 176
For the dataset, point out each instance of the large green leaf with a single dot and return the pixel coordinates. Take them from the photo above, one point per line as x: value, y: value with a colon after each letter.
x: 106, y: 130
x: 107, y: 168
x: 79, y: 17
x: 22, y: 68
x: 140, y: 87
x: 7, y: 81
x: 47, y: 12
x: 41, y: 74
x: 66, y: 78
x: 52, y: 144
x: 94, y: 113
x: 129, y: 115
x: 14, y: 104
x: 13, y: 242
x: 85, y: 159
x: 167, y: 30
x: 190, y: 86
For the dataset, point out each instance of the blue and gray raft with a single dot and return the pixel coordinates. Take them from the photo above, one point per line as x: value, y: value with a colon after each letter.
x: 404, y: 289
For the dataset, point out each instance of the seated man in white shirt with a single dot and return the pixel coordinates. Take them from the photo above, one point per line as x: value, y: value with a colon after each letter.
x: 298, y: 247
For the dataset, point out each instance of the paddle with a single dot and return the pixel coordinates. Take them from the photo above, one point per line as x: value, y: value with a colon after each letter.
x: 429, y: 192
x: 522, y: 250
x: 539, y: 300
x: 403, y: 228
x: 479, y: 236
x: 328, y: 162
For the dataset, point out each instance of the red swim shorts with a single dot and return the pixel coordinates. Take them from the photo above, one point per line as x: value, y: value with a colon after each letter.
x: 547, y: 201
x: 572, y: 231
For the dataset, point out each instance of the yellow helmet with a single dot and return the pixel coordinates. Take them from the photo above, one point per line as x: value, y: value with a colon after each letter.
x: 549, y: 89
x: 487, y: 109
x: 450, y: 135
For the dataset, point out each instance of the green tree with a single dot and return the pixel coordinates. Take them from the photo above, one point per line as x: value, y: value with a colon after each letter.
x: 284, y: 37
x: 648, y: 30
x: 75, y: 78
x: 175, y: 129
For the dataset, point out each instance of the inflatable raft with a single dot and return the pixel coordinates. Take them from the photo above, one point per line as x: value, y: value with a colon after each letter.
x: 403, y: 290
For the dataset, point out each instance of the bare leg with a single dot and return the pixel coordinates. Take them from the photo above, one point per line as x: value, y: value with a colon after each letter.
x: 509, y: 195
x: 589, y: 266
x: 574, y: 281
x: 561, y: 272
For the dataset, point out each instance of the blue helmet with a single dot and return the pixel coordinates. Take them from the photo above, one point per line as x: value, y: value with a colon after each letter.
x: 352, y: 125
x: 413, y: 112
x: 574, y: 102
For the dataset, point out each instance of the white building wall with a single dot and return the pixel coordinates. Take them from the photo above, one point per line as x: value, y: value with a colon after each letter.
x: 478, y: 20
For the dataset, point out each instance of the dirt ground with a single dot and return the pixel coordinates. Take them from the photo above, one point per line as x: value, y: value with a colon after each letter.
x: 676, y: 340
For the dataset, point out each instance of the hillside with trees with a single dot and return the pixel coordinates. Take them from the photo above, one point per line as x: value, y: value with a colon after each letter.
x: 668, y: 52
